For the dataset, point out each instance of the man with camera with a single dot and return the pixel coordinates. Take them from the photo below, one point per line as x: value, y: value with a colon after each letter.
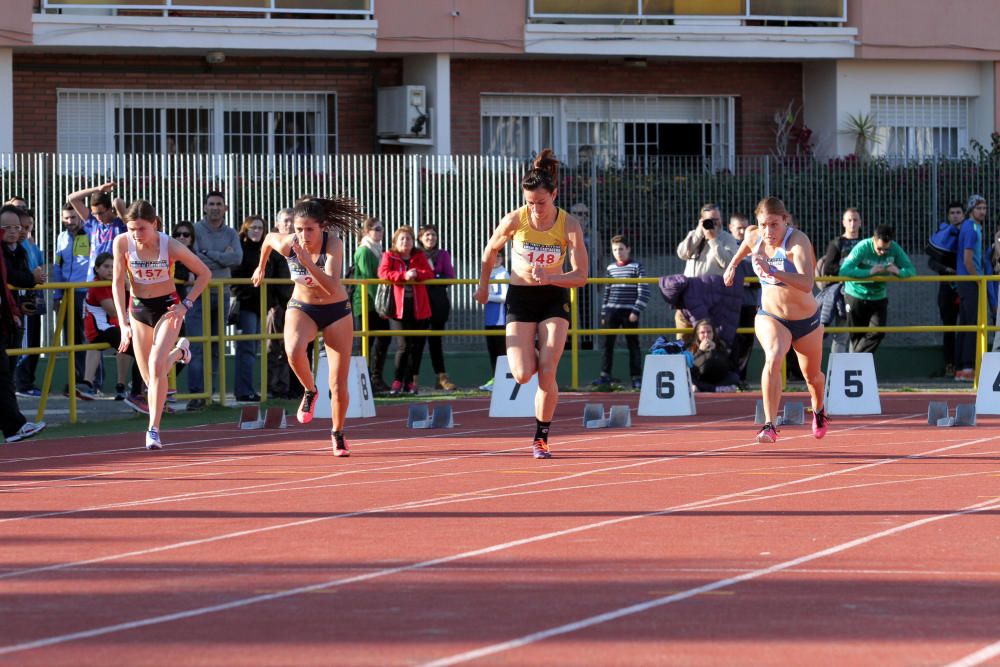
x: 706, y: 251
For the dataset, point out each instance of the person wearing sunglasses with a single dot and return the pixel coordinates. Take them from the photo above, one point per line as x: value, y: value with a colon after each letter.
x: 366, y: 260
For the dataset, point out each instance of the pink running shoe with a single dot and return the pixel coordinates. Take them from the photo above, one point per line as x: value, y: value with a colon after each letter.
x: 820, y: 423
x: 339, y: 446
x: 306, y: 407
x: 768, y: 434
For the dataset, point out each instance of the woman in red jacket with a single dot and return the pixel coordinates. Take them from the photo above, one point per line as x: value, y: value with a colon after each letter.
x: 403, y: 263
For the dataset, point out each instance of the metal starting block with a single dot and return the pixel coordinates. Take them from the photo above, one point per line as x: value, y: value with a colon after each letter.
x: 793, y: 414
x: 251, y: 418
x: 620, y: 416
x: 420, y: 416
x: 965, y: 414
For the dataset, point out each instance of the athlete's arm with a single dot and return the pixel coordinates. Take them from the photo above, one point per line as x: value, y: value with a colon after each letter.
x: 578, y: 259
x: 118, y: 290
x: 503, y: 233
x: 272, y: 241
x: 181, y: 253
x: 749, y: 240
x: 325, y: 277
x: 802, y: 257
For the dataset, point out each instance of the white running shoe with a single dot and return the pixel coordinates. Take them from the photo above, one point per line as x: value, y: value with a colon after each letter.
x: 28, y: 430
x: 184, y: 345
x: 153, y: 439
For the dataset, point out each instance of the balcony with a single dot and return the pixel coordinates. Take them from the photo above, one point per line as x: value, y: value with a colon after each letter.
x: 666, y: 12
x: 323, y: 9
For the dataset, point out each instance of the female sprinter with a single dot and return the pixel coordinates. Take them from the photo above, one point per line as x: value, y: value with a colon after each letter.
x: 538, y: 298
x: 154, y: 317
x: 788, y: 316
x: 315, y: 255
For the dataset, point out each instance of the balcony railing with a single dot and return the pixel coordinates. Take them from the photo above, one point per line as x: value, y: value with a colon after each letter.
x: 792, y: 11
x: 268, y: 8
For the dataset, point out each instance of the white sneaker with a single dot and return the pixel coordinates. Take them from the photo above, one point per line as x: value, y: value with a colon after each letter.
x: 184, y: 345
x: 28, y: 430
x: 488, y: 386
x: 153, y: 439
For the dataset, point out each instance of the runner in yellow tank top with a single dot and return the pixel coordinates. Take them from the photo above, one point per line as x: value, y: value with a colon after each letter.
x: 542, y: 237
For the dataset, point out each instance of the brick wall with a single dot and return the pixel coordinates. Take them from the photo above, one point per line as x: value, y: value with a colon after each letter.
x: 36, y: 78
x: 762, y: 88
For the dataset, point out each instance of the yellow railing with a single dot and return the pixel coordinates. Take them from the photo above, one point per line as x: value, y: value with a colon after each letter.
x: 982, y: 328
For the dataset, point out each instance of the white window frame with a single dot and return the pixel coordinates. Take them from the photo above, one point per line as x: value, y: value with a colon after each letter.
x: 920, y: 114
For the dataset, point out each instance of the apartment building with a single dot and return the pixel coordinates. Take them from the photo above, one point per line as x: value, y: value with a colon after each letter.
x: 604, y: 80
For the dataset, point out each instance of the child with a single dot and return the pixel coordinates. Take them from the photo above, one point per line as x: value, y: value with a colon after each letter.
x: 621, y: 309
x: 496, y: 315
x: 713, y: 370
x: 100, y: 325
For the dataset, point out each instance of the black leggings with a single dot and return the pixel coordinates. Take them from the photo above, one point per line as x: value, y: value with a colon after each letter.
x: 408, y: 348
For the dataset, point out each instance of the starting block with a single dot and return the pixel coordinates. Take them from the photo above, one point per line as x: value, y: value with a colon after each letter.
x: 965, y: 414
x: 251, y: 418
x: 620, y: 416
x: 419, y: 416
x: 793, y: 414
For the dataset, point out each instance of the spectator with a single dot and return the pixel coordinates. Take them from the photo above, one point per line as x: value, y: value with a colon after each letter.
x: 12, y: 423
x: 833, y: 311
x: 970, y: 263
x: 72, y: 265
x: 942, y: 257
x: 743, y: 343
x: 411, y: 309
x: 251, y: 237
x: 100, y: 324
x: 365, y: 267
x: 440, y: 261
x: 18, y: 275
x: 621, y: 308
x: 218, y: 246
x: 706, y: 251
x: 281, y: 382
x: 713, y: 369
x: 33, y: 307
x: 102, y: 219
x: 495, y: 315
x: 707, y: 297
x: 867, y: 303
x: 184, y: 279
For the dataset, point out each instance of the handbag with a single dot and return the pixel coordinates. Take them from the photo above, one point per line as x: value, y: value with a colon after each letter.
x: 233, y: 314
x: 384, y: 301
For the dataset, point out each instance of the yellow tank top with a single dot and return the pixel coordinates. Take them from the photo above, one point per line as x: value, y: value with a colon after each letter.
x: 531, y: 246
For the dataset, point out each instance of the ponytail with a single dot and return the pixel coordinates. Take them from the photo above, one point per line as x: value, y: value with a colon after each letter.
x: 340, y: 213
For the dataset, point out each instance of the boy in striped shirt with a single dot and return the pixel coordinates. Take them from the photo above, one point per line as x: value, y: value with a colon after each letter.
x: 620, y: 309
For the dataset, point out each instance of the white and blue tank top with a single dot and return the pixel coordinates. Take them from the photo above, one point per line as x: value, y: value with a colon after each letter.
x: 779, y: 262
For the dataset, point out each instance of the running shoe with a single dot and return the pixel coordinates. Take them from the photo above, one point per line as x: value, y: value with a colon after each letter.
x: 396, y: 387
x: 85, y: 391
x: 487, y: 386
x: 768, y: 433
x: 306, y: 407
x: 540, y: 449
x: 965, y: 375
x: 153, y: 439
x: 339, y: 446
x: 120, y: 394
x: 637, y: 383
x: 602, y: 381
x: 184, y: 345
x: 171, y: 395
x: 26, y: 431
x: 138, y: 403
x: 820, y: 423
x: 411, y: 388
x: 30, y: 393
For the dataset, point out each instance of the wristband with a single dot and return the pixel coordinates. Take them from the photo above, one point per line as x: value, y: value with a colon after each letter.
x: 186, y: 302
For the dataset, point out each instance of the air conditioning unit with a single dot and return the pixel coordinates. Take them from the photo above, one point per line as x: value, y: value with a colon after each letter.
x: 402, y: 111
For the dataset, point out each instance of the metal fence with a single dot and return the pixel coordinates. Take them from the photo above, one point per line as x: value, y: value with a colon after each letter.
x: 655, y: 204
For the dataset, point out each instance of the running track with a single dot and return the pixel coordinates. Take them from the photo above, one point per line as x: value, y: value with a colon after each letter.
x: 679, y: 541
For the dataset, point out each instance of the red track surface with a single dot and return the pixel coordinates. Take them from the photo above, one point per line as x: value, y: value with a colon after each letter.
x: 679, y: 541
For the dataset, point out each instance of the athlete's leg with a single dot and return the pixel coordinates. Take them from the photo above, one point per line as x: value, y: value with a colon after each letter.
x: 809, y: 350
x: 338, y: 340
x: 142, y: 343
x: 162, y: 357
x: 776, y: 340
x: 551, y: 341
x: 300, y: 330
x: 521, y: 354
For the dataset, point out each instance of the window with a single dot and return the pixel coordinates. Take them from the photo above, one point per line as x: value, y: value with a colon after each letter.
x: 515, y: 136
x: 170, y: 122
x: 917, y: 127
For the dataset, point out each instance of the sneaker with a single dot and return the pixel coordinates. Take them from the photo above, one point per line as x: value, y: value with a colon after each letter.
x: 195, y: 404
x: 28, y: 430
x: 30, y: 393
x: 138, y: 403
x: 184, y: 345
x: 153, y: 439
x: 487, y: 386
x: 768, y: 433
x: 603, y: 380
x: 120, y: 394
x: 725, y: 389
x: 250, y: 398
x: 396, y: 387
x: 637, y: 383
x: 306, y: 407
x: 85, y: 391
x: 540, y: 449
x: 411, y: 388
x: 965, y: 375
x: 820, y: 422
x: 339, y: 446
x: 171, y: 395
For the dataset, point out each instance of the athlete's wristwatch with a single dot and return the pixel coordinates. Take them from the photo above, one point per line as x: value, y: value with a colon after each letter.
x: 186, y: 302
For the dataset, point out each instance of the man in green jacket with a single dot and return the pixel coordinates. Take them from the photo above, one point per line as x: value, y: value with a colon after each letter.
x: 867, y: 303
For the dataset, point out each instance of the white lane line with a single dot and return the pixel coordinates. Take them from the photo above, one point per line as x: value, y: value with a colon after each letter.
x: 979, y: 657
x: 242, y: 602
x: 706, y: 588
